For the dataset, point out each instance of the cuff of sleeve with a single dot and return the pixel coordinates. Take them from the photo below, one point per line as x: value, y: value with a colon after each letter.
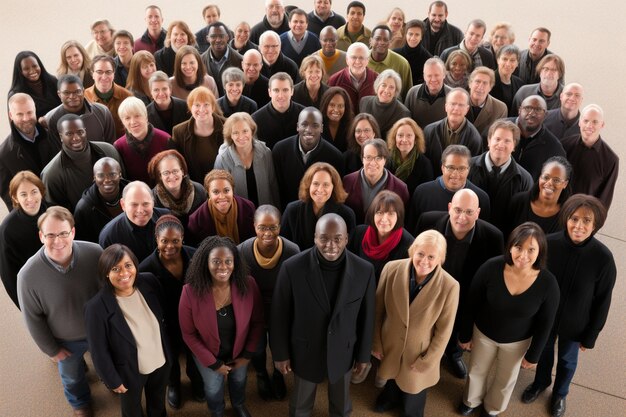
x: 217, y: 365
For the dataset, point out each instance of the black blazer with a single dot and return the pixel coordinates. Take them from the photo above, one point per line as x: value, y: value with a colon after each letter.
x: 322, y: 340
x: 111, y: 343
x: 180, y: 113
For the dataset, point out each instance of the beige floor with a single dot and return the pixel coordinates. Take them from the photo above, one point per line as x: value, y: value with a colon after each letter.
x: 588, y: 35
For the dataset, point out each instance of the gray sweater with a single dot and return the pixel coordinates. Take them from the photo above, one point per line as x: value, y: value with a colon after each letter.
x: 52, y: 301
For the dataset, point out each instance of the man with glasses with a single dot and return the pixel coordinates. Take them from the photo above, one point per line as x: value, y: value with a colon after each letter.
x: 497, y: 173
x: 334, y: 59
x: 135, y: 226
x: 219, y: 55
x: 470, y: 242
x: 436, y: 195
x: 100, y: 203
x: 70, y: 172
x: 551, y: 69
x: 53, y: 287
x: 537, y: 143
x: 96, y: 117
x: 357, y: 79
x: 274, y: 60
x: 274, y: 20
x: 382, y: 58
x: 322, y: 16
x: 257, y: 84
x: 27, y: 147
x: 105, y: 91
x: 102, y: 42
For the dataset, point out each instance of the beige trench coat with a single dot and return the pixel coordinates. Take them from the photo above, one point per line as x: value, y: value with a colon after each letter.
x: 415, y: 334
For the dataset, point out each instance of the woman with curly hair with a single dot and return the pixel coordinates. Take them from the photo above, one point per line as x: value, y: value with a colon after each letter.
x: 221, y: 319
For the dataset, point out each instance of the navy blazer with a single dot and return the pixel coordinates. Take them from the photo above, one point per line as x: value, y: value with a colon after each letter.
x: 111, y: 343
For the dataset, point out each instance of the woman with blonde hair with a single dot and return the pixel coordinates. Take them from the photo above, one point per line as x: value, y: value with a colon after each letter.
x: 396, y: 20
x: 310, y: 90
x: 178, y: 35
x: 75, y: 61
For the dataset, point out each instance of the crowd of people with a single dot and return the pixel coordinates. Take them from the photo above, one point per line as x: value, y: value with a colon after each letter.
x: 350, y: 201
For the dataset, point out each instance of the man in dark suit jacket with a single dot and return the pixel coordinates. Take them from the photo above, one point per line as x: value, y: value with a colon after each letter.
x: 322, y: 318
x: 294, y: 155
x: 220, y: 55
x: 472, y: 44
x: 471, y: 242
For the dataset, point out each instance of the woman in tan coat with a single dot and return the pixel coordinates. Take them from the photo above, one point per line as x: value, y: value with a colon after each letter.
x: 416, y: 302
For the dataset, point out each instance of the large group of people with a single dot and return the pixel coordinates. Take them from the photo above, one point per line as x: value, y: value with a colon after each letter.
x: 352, y: 202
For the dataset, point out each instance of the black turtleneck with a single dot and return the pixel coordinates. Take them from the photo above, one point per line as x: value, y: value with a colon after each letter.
x: 331, y: 274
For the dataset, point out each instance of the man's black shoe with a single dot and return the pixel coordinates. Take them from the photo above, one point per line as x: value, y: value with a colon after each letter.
x: 173, y: 396
x: 531, y: 393
x: 241, y: 411
x: 558, y: 406
x: 383, y: 403
x: 465, y: 410
x: 278, y: 382
x: 458, y: 367
x: 264, y: 386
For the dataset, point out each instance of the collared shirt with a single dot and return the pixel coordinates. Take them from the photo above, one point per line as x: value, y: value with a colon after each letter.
x: 26, y: 138
x: 489, y: 164
x: 426, y: 94
x: 443, y: 185
x: 218, y: 63
x: 356, y: 83
x: 414, y: 287
x: 453, y: 137
x: 322, y: 19
x: 475, y: 55
x: 297, y: 45
x: 58, y: 267
x: 305, y: 155
x: 369, y: 191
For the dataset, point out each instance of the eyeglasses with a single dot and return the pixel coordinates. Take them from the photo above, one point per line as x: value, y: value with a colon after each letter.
x: 452, y: 168
x: 262, y: 228
x: 52, y: 236
x: 107, y: 72
x: 270, y: 46
x: 127, y: 267
x: 370, y: 158
x: 468, y: 212
x: 358, y: 58
x: 531, y: 109
x: 78, y: 92
x: 72, y: 133
x: 100, y: 32
x: 173, y: 172
x: 555, y: 180
x: 365, y: 131
x: 108, y: 175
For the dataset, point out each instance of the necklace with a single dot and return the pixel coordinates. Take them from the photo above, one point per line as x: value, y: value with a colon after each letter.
x: 220, y: 306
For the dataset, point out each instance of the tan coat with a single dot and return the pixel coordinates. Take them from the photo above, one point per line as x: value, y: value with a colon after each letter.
x: 416, y: 334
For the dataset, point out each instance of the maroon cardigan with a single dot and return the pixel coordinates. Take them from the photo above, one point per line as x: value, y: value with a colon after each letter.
x: 137, y: 165
x: 198, y: 322
x: 352, y: 185
x: 343, y: 79
x: 202, y: 225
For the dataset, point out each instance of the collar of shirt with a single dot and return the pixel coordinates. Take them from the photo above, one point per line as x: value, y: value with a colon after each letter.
x: 26, y: 138
x: 304, y: 154
x: 458, y: 130
x: 320, y: 17
x: 443, y: 185
x: 294, y: 40
x: 489, y: 164
x: 58, y: 267
x: 219, y: 61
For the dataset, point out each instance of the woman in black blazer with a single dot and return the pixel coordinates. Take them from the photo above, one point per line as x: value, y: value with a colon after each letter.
x: 126, y: 335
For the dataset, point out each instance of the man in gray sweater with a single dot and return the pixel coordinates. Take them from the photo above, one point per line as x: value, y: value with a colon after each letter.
x: 53, y: 287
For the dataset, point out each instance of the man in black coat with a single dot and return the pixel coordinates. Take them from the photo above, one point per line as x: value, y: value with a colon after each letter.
x: 257, y: 84
x: 472, y: 44
x: 471, y: 242
x: 440, y: 34
x: 294, y: 155
x: 536, y: 144
x: 322, y: 318
x: 274, y: 60
x: 275, y: 19
x: 497, y: 173
x: 28, y: 146
x: 220, y: 55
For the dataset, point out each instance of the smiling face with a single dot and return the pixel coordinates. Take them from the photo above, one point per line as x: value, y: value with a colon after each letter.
x: 501, y: 145
x: 405, y: 139
x: 437, y: 16
x: 267, y: 228
x: 270, y: 48
x: 24, y: 116
x: 103, y: 36
x: 73, y: 135
x: 425, y: 259
x: 221, y: 265
x: 336, y: 108
x: 241, y: 135
x: 591, y: 124
x: 153, y: 19
x: 202, y: 111
x: 74, y: 59
x: 458, y: 67
x: 373, y: 164
x: 433, y: 77
x: 123, y: 47
x: 275, y: 12
x: 122, y: 277
x: 211, y: 15
x: 385, y: 221
x: 136, y: 124
x: 58, y: 248
x: 480, y: 86
x: 242, y: 33
x: 322, y: 8
x: 28, y: 197
x: 463, y: 211
x: 386, y: 91
x: 298, y: 24
x: 189, y: 67
x: 413, y: 37
x: 233, y: 89
x: 107, y: 178
x: 169, y: 243
x: 549, y: 75
x: 552, y: 182
x: 532, y: 113
x: 178, y: 38
x: 356, y: 60
x: 363, y: 131
x: 328, y: 39
x: 331, y: 238
x: 395, y: 21
x: 537, y: 44
x: 138, y: 205
x: 313, y: 76
x: 456, y: 107
x: 321, y: 188
x: 454, y: 172
x: 525, y: 254
x: 507, y: 63
x: 161, y: 93
x: 473, y: 37
x: 171, y: 174
x: 571, y: 97
x: 221, y: 195
x: 103, y: 73
x: 379, y: 42
x: 355, y: 18
x: 218, y: 40
x: 72, y: 98
x: 251, y: 65
x: 580, y: 225
x: 309, y: 128
x: 30, y: 68
x: 500, y: 38
x: 280, y: 92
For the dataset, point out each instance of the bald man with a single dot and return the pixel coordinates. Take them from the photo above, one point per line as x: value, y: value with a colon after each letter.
x: 257, y: 84
x: 471, y: 242
x: 594, y: 163
x: 563, y: 122
x: 100, y: 203
x: 135, y: 226
x: 322, y: 318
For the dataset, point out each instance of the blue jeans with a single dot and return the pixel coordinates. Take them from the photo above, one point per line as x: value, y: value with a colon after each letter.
x: 214, y: 387
x: 72, y: 371
x: 567, y: 361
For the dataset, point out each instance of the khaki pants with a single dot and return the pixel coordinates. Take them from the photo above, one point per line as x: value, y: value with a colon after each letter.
x: 507, y: 357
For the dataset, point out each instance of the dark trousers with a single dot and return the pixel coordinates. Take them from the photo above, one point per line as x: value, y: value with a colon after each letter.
x: 303, y: 397
x: 412, y: 404
x: 453, y: 350
x: 259, y: 360
x: 178, y: 347
x: 154, y: 385
x: 567, y: 361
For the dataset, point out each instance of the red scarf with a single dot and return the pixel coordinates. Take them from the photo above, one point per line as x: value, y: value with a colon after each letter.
x: 379, y: 251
